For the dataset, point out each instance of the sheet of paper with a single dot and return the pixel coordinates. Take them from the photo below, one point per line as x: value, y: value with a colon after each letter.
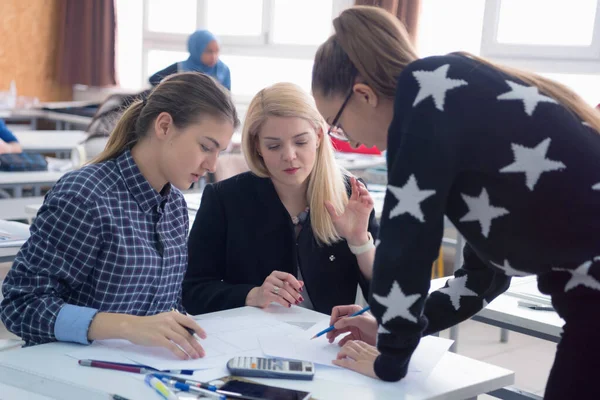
x: 320, y: 351
x: 227, y: 337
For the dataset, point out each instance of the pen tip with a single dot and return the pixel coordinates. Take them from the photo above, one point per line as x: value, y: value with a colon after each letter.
x: 313, y: 337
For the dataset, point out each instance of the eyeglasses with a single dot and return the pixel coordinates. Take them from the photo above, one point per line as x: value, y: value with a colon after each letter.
x: 335, y: 131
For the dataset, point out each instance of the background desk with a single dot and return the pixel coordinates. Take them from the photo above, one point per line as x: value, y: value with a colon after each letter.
x: 60, y: 143
x: 17, y: 181
x: 48, y: 371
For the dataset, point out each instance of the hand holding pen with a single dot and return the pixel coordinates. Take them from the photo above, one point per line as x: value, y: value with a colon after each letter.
x: 354, y: 320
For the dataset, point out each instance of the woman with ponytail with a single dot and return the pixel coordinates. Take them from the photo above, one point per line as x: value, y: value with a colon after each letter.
x: 107, y: 252
x: 511, y: 158
x: 296, y: 230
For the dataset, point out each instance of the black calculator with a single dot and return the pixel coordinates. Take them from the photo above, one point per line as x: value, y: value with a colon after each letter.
x: 278, y: 368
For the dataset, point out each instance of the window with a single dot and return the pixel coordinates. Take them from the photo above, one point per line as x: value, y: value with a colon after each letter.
x: 554, y: 38
x: 542, y: 29
x: 262, y: 41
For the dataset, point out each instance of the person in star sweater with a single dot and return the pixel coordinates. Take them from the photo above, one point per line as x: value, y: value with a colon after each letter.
x: 511, y: 158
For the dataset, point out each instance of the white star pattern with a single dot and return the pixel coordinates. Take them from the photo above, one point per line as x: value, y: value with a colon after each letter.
x: 508, y: 269
x: 457, y: 288
x: 409, y: 199
x: 484, y: 303
x: 435, y: 84
x: 377, y: 242
x: 382, y: 331
x: 529, y: 95
x: 596, y: 186
x: 482, y: 211
x: 397, y: 304
x: 580, y: 276
x: 533, y: 162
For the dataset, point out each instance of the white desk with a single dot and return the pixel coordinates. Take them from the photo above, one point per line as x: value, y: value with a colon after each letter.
x: 505, y: 312
x: 59, y: 142
x: 17, y: 208
x: 356, y: 161
x: 48, y: 371
x: 16, y: 181
x: 62, y: 120
x: 8, y: 254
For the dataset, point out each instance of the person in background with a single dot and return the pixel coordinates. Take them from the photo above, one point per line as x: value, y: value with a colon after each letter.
x: 510, y: 157
x: 8, y: 141
x: 296, y: 230
x: 107, y: 252
x: 204, y: 57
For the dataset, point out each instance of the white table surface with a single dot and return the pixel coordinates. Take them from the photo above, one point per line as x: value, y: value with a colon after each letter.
x: 29, y: 177
x: 505, y: 309
x: 50, y: 141
x: 47, y: 370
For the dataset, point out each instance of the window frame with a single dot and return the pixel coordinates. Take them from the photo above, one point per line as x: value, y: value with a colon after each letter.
x: 541, y: 58
x: 251, y: 45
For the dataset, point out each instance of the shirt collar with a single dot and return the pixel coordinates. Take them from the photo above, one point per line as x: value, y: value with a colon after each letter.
x: 143, y: 193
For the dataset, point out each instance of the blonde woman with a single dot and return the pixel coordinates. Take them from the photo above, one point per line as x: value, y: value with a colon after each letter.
x: 513, y: 160
x: 295, y: 230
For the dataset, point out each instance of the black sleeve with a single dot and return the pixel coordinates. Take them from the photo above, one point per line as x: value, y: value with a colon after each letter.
x: 204, y: 288
x: 473, y: 286
x: 160, y: 75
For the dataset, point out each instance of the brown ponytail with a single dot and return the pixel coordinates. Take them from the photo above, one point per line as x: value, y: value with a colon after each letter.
x: 187, y: 97
x: 368, y: 42
x: 372, y: 44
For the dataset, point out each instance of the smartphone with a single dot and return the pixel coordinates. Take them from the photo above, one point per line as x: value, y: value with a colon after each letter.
x: 265, y: 392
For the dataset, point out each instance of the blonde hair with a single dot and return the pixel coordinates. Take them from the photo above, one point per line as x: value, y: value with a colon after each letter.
x: 186, y: 96
x: 372, y: 44
x: 326, y: 180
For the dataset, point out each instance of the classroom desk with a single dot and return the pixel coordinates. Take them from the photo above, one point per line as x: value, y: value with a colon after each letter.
x: 17, y: 208
x: 16, y: 181
x: 60, y: 143
x: 47, y: 370
x: 8, y: 254
x: 61, y: 120
x: 505, y: 312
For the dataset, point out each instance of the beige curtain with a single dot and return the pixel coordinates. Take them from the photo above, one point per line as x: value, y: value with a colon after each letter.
x: 407, y: 11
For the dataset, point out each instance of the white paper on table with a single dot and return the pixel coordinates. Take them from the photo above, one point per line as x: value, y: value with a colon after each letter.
x: 298, y: 346
x: 227, y: 337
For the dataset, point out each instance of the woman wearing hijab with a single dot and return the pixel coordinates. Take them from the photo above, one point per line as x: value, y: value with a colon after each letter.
x: 204, y: 57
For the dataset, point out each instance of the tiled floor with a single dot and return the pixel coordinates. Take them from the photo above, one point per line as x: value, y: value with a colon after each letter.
x: 529, y: 357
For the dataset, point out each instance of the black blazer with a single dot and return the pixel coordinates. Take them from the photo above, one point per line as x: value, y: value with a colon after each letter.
x: 243, y: 232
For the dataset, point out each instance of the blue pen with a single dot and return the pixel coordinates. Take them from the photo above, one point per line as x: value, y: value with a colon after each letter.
x: 190, y: 382
x: 324, y: 331
x: 184, y: 387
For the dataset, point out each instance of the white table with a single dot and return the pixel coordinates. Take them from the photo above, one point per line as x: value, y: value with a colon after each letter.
x: 48, y: 371
x: 59, y: 142
x: 17, y: 208
x: 8, y: 254
x: 62, y: 120
x: 16, y: 181
x: 505, y: 312
x: 357, y: 161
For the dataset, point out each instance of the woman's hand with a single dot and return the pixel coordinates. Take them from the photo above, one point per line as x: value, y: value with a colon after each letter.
x: 362, y: 327
x: 279, y: 287
x: 358, y: 356
x: 168, y: 330
x: 353, y: 223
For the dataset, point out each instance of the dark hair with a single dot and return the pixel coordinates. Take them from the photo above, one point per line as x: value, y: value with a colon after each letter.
x: 185, y: 96
x: 368, y: 42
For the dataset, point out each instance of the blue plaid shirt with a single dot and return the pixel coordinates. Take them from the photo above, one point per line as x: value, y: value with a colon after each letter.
x: 104, y: 240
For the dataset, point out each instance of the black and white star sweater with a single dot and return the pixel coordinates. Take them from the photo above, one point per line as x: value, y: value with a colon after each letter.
x: 517, y: 173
